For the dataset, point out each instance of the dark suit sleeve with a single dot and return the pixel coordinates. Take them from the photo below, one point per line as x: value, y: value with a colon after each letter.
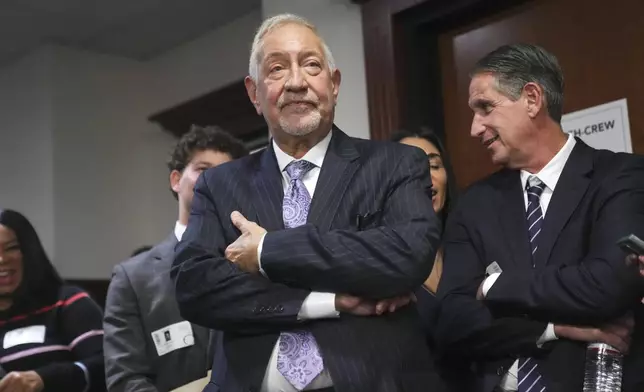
x: 600, y: 286
x: 379, y: 262
x: 127, y: 367
x: 215, y: 293
x: 465, y: 327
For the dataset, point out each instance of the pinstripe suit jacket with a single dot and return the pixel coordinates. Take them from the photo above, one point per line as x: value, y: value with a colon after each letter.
x: 371, y: 232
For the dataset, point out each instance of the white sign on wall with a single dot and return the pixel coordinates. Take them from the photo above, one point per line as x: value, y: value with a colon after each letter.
x: 603, y: 127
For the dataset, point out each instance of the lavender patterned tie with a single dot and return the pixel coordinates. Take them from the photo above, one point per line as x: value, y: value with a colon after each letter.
x: 299, y: 359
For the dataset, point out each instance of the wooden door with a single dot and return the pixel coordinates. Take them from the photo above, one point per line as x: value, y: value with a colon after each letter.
x: 599, y: 44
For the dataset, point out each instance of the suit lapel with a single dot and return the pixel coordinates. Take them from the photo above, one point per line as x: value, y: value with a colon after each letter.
x: 340, y: 164
x: 571, y: 187
x: 268, y: 193
x: 511, y: 209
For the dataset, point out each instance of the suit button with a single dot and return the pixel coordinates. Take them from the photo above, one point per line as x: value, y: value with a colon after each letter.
x: 262, y: 309
x: 270, y: 309
x: 280, y: 308
x: 256, y: 310
x: 500, y: 371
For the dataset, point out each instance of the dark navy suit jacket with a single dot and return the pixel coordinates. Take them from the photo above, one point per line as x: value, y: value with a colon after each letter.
x: 371, y: 232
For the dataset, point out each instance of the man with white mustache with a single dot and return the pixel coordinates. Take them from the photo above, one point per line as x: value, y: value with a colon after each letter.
x: 288, y: 250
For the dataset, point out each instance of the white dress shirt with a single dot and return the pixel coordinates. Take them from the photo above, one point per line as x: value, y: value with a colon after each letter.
x: 316, y: 305
x: 549, y: 175
x: 179, y: 229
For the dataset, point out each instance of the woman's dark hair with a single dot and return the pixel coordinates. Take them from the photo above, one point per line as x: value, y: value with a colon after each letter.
x: 40, y: 280
x: 429, y: 135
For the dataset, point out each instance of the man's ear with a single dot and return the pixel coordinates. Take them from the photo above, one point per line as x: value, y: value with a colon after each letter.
x: 336, y: 79
x: 533, y: 95
x: 175, y: 179
x: 251, y: 89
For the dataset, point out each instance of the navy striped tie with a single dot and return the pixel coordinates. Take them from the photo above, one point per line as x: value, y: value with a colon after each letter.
x: 534, y: 187
x: 529, y: 377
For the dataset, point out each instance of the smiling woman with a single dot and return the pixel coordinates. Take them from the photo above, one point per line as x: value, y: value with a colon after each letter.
x: 51, y: 332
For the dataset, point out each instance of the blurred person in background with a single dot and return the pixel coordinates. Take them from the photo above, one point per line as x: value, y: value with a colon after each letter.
x: 148, y: 345
x: 450, y: 375
x: 51, y: 332
x: 443, y: 187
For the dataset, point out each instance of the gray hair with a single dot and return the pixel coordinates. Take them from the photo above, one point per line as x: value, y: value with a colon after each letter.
x: 514, y: 66
x: 269, y: 25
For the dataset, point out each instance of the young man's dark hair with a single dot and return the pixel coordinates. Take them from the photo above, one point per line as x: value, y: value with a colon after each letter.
x: 205, y: 138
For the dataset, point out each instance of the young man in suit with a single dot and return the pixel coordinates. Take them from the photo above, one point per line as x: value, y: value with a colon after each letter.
x: 148, y: 345
x: 532, y: 269
x: 289, y: 249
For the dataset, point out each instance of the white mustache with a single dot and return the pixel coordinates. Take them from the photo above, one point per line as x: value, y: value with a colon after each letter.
x: 283, y: 101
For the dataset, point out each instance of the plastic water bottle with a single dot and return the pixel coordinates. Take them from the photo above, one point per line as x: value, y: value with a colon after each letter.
x: 603, y: 368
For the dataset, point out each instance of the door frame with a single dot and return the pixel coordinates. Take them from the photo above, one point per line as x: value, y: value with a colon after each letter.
x: 384, y: 23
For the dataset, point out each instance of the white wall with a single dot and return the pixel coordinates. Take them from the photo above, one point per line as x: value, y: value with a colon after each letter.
x: 111, y: 182
x: 26, y: 155
x: 340, y: 24
x: 112, y: 191
x: 213, y: 60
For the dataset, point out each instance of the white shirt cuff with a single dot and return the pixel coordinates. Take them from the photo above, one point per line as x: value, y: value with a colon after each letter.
x: 259, y: 255
x: 489, y: 281
x: 547, y: 336
x: 317, y: 306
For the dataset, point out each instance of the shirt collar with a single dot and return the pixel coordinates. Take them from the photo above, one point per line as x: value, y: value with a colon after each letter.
x: 315, y: 155
x: 179, y: 229
x: 550, y: 173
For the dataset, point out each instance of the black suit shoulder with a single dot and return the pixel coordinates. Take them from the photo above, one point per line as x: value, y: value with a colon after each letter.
x: 234, y: 167
x: 368, y: 148
x: 608, y: 163
x: 483, y: 188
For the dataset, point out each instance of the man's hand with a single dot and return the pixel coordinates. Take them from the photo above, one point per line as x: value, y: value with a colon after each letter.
x: 617, y: 333
x: 21, y: 382
x: 392, y: 304
x: 243, y: 251
x: 362, y: 307
x: 636, y: 260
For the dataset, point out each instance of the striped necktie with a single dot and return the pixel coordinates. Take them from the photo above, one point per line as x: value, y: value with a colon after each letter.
x: 529, y: 377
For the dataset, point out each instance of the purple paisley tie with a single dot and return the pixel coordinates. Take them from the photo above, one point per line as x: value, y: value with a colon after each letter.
x: 299, y: 359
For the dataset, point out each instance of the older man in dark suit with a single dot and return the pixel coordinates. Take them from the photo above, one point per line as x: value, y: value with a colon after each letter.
x: 532, y: 270
x: 289, y: 249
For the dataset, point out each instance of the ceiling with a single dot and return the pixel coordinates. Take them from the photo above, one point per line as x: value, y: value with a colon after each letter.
x: 137, y: 29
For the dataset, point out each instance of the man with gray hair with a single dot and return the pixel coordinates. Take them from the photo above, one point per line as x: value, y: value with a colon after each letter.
x: 304, y: 254
x: 532, y: 270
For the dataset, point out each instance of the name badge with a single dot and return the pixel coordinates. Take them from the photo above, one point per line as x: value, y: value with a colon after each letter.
x: 26, y: 335
x: 173, y: 337
x: 493, y: 268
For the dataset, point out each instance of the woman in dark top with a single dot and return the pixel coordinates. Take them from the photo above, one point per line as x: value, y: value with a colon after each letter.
x: 51, y: 333
x: 443, y: 194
